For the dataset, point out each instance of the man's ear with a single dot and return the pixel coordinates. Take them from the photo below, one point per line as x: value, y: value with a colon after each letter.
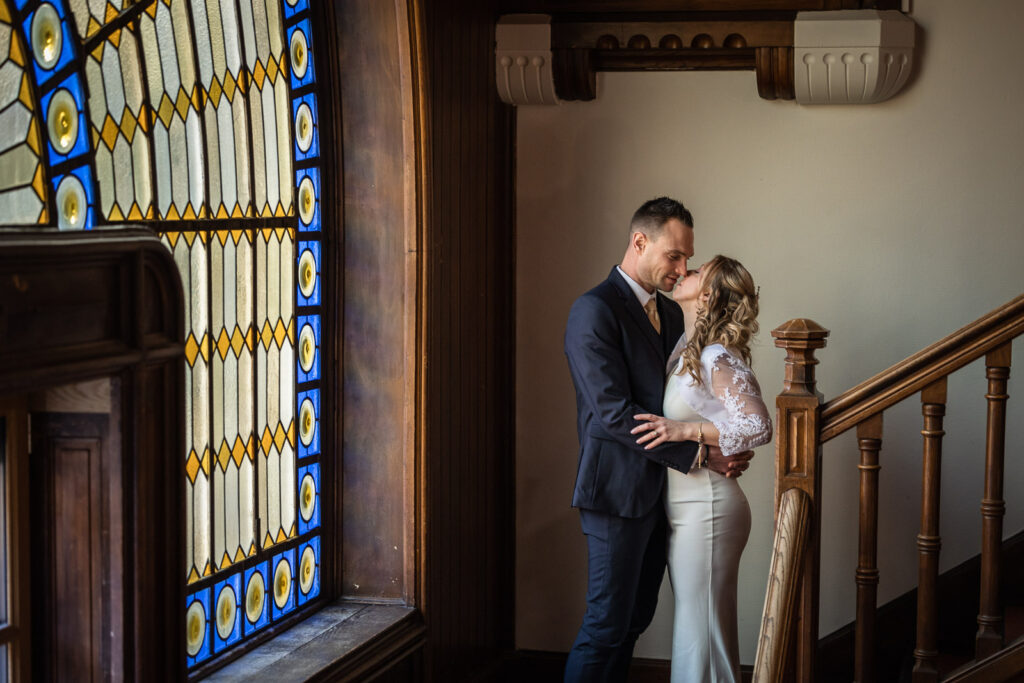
x: 639, y: 241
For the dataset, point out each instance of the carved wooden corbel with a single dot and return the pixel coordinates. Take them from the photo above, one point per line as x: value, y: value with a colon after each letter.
x: 774, y: 67
x: 823, y: 57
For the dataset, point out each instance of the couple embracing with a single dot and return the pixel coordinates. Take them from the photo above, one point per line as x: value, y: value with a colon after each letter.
x: 668, y: 410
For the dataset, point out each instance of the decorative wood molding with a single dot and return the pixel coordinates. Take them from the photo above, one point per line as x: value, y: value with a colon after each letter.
x: 774, y: 66
x: 523, y: 63
x: 818, y: 57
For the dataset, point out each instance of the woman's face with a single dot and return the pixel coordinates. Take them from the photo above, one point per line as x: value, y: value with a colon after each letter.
x: 689, y: 288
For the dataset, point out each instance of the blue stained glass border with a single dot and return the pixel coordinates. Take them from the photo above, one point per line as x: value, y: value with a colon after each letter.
x: 309, y: 77
x: 300, y: 6
x: 314, y: 175
x: 233, y: 583
x: 289, y: 557
x: 314, y: 145
x: 203, y: 597
x: 67, y: 50
x: 314, y: 445
x: 81, y: 146
x: 313, y: 299
x: 314, y: 371
x: 314, y: 590
x: 84, y: 175
x: 314, y: 519
x: 264, y: 619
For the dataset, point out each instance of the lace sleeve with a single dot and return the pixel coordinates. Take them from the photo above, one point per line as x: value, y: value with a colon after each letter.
x: 746, y: 422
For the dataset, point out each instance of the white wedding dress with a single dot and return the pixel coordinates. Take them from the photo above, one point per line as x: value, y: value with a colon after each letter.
x: 709, y: 517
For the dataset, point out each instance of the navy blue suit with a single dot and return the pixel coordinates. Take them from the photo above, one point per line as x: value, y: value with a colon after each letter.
x: 617, y: 362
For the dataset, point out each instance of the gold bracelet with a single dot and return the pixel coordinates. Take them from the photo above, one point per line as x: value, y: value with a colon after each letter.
x: 701, y: 455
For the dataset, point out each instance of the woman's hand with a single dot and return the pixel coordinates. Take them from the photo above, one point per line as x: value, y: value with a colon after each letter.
x: 656, y: 430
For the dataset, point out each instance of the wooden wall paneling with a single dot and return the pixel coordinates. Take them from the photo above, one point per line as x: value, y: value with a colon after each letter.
x: 376, y: 313
x: 468, y: 541
x: 72, y: 617
x: 632, y: 7
x: 326, y: 34
x: 16, y: 495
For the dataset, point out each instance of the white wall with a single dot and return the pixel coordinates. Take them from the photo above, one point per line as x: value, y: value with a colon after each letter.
x: 892, y: 225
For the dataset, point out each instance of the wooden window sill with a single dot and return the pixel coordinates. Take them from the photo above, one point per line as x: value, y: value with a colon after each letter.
x: 344, y: 640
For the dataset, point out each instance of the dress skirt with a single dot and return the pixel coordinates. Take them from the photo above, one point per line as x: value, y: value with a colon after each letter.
x: 709, y: 522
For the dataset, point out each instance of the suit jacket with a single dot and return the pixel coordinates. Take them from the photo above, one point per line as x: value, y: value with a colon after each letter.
x: 617, y: 362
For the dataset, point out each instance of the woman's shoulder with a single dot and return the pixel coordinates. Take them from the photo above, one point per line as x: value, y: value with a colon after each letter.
x: 712, y: 352
x: 714, y: 356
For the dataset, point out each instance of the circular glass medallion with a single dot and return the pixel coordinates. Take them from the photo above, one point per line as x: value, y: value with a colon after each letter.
x: 307, y: 497
x: 307, y: 347
x: 300, y: 53
x: 307, y: 421
x: 307, y: 569
x: 46, y: 36
x: 195, y: 628
x: 307, y: 200
x: 62, y: 121
x: 71, y: 204
x: 255, y: 594
x: 304, y: 127
x: 307, y: 273
x: 226, y: 609
x: 282, y: 583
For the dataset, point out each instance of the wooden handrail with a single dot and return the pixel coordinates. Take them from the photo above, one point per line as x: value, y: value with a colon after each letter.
x: 923, y: 368
x: 776, y: 635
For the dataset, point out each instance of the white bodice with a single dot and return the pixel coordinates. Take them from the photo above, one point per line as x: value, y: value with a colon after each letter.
x: 730, y: 398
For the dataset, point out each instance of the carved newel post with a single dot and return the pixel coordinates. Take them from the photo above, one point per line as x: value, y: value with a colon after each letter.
x: 797, y: 461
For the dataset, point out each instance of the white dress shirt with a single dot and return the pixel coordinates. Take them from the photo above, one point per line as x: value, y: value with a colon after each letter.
x: 642, y: 295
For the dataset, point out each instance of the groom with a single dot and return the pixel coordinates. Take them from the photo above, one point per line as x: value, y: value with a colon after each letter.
x: 618, y: 341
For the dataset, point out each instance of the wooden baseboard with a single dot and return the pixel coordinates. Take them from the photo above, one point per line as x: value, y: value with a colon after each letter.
x: 537, y: 666
x: 959, y: 588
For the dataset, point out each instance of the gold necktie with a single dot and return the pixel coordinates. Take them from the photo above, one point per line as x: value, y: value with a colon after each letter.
x: 651, y: 307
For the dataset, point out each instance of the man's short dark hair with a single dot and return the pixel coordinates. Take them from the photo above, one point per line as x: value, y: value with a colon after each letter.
x: 652, y: 216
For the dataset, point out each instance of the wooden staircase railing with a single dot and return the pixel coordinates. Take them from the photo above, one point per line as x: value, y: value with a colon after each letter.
x: 805, y: 422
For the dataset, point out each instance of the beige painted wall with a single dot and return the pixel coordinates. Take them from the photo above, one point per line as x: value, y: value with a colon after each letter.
x: 891, y: 224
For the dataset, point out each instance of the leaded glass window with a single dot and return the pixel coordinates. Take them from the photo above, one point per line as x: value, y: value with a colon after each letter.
x: 198, y: 118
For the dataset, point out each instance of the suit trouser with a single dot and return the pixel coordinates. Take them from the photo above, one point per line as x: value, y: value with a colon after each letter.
x: 626, y: 563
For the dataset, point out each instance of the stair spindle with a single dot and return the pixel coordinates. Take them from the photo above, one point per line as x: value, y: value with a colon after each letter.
x: 933, y: 408
x: 869, y: 437
x: 989, y: 638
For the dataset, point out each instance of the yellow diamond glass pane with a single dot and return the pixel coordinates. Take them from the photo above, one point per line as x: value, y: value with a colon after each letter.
x: 22, y: 190
x: 275, y: 391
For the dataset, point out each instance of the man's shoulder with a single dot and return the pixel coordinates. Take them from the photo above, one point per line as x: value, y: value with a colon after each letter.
x: 602, y: 295
x: 606, y: 289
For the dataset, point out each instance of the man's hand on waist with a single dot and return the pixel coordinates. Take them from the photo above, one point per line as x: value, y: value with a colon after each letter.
x: 732, y: 466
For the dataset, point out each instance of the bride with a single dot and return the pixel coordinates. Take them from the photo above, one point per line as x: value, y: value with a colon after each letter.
x: 711, y: 397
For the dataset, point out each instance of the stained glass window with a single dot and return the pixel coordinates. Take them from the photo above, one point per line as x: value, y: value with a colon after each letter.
x: 199, y: 119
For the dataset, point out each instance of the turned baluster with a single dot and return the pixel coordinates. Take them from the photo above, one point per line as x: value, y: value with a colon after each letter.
x: 869, y: 438
x: 989, y: 638
x: 797, y: 463
x: 933, y: 407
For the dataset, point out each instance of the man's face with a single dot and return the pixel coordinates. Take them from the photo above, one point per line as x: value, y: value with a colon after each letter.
x: 663, y: 260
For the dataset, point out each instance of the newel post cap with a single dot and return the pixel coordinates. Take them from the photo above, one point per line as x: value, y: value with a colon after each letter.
x: 800, y: 333
x: 800, y: 337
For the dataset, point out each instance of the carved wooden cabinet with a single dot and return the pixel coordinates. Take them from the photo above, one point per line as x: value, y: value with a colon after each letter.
x: 91, y: 408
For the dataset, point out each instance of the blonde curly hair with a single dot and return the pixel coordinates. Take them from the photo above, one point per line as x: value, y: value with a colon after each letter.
x: 730, y: 316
